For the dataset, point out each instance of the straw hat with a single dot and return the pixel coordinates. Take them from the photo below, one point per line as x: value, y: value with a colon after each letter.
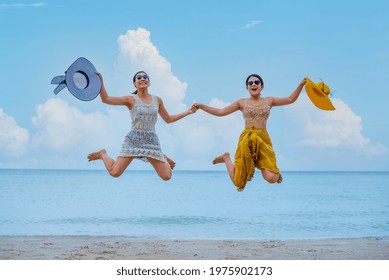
x: 80, y: 79
x: 318, y: 93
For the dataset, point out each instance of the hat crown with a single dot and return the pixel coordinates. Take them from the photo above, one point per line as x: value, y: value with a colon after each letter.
x: 323, y: 87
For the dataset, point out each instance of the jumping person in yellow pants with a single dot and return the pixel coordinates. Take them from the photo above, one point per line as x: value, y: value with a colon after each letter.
x: 255, y: 148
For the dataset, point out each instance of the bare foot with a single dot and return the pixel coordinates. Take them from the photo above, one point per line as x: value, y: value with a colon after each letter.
x: 221, y: 158
x: 96, y: 155
x: 170, y: 162
x: 279, y: 181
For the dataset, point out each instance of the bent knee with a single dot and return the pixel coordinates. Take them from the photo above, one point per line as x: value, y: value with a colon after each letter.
x: 271, y: 178
x: 166, y: 177
x: 239, y: 184
x: 115, y: 173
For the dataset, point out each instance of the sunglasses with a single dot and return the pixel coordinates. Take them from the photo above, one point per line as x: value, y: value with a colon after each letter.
x: 257, y: 82
x: 140, y: 77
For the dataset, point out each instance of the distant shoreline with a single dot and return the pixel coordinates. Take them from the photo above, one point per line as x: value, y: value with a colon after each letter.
x: 126, y: 248
x: 189, y: 170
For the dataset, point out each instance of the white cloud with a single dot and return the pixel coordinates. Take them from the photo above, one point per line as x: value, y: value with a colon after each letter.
x: 332, y: 129
x: 64, y: 128
x: 137, y: 48
x: 65, y: 135
x: 13, y: 138
x: 251, y: 24
x: 248, y: 25
x: 11, y: 6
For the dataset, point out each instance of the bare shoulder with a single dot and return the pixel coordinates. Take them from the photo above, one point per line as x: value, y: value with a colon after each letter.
x: 130, y: 100
x: 241, y: 103
x: 159, y: 100
x: 270, y: 100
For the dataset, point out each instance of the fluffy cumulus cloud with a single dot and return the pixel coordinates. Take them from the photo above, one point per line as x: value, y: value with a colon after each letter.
x: 62, y: 137
x: 341, y: 128
x: 13, y: 138
x: 137, y: 49
x: 62, y: 127
x: 64, y: 130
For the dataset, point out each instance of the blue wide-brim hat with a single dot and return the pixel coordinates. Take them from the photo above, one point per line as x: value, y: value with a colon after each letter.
x: 80, y: 79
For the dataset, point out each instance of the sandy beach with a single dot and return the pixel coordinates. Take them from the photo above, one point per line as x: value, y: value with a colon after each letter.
x: 124, y: 248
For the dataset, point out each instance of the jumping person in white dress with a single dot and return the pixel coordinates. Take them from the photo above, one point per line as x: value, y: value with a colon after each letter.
x: 141, y: 142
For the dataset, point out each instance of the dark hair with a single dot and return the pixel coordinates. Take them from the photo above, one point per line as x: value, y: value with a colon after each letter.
x: 134, y: 78
x: 257, y: 76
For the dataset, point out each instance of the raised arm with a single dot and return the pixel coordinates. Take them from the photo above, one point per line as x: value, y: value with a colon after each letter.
x: 114, y: 100
x: 173, y: 118
x: 223, y: 111
x: 274, y: 101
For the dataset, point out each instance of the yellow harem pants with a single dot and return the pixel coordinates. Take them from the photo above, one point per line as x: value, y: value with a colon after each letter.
x: 254, y: 149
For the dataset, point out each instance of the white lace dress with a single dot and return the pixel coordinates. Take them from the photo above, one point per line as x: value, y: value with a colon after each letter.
x: 142, y: 141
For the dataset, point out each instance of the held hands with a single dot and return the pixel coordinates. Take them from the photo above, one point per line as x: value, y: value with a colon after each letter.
x: 197, y: 105
x: 193, y: 109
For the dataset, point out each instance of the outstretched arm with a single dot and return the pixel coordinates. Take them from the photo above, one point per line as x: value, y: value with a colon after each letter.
x: 288, y: 100
x: 113, y: 100
x: 173, y: 118
x: 220, y: 112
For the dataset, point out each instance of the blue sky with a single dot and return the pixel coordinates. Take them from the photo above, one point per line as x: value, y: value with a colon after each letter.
x: 196, y: 51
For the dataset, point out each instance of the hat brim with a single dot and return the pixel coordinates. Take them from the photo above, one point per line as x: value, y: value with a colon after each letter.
x: 318, y: 98
x: 93, y: 84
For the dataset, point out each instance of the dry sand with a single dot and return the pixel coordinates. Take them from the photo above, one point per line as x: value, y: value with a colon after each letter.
x: 123, y: 248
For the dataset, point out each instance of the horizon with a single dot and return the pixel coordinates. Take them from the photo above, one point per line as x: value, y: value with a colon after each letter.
x: 197, y: 170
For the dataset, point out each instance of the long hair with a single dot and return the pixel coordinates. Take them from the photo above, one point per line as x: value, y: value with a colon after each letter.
x: 134, y: 78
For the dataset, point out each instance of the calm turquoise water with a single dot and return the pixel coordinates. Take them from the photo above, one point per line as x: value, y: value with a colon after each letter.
x: 193, y: 205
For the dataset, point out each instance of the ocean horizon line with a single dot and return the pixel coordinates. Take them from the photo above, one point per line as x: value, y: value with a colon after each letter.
x: 193, y: 170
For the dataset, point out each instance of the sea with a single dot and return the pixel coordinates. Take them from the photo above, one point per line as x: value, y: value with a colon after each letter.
x: 193, y: 205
